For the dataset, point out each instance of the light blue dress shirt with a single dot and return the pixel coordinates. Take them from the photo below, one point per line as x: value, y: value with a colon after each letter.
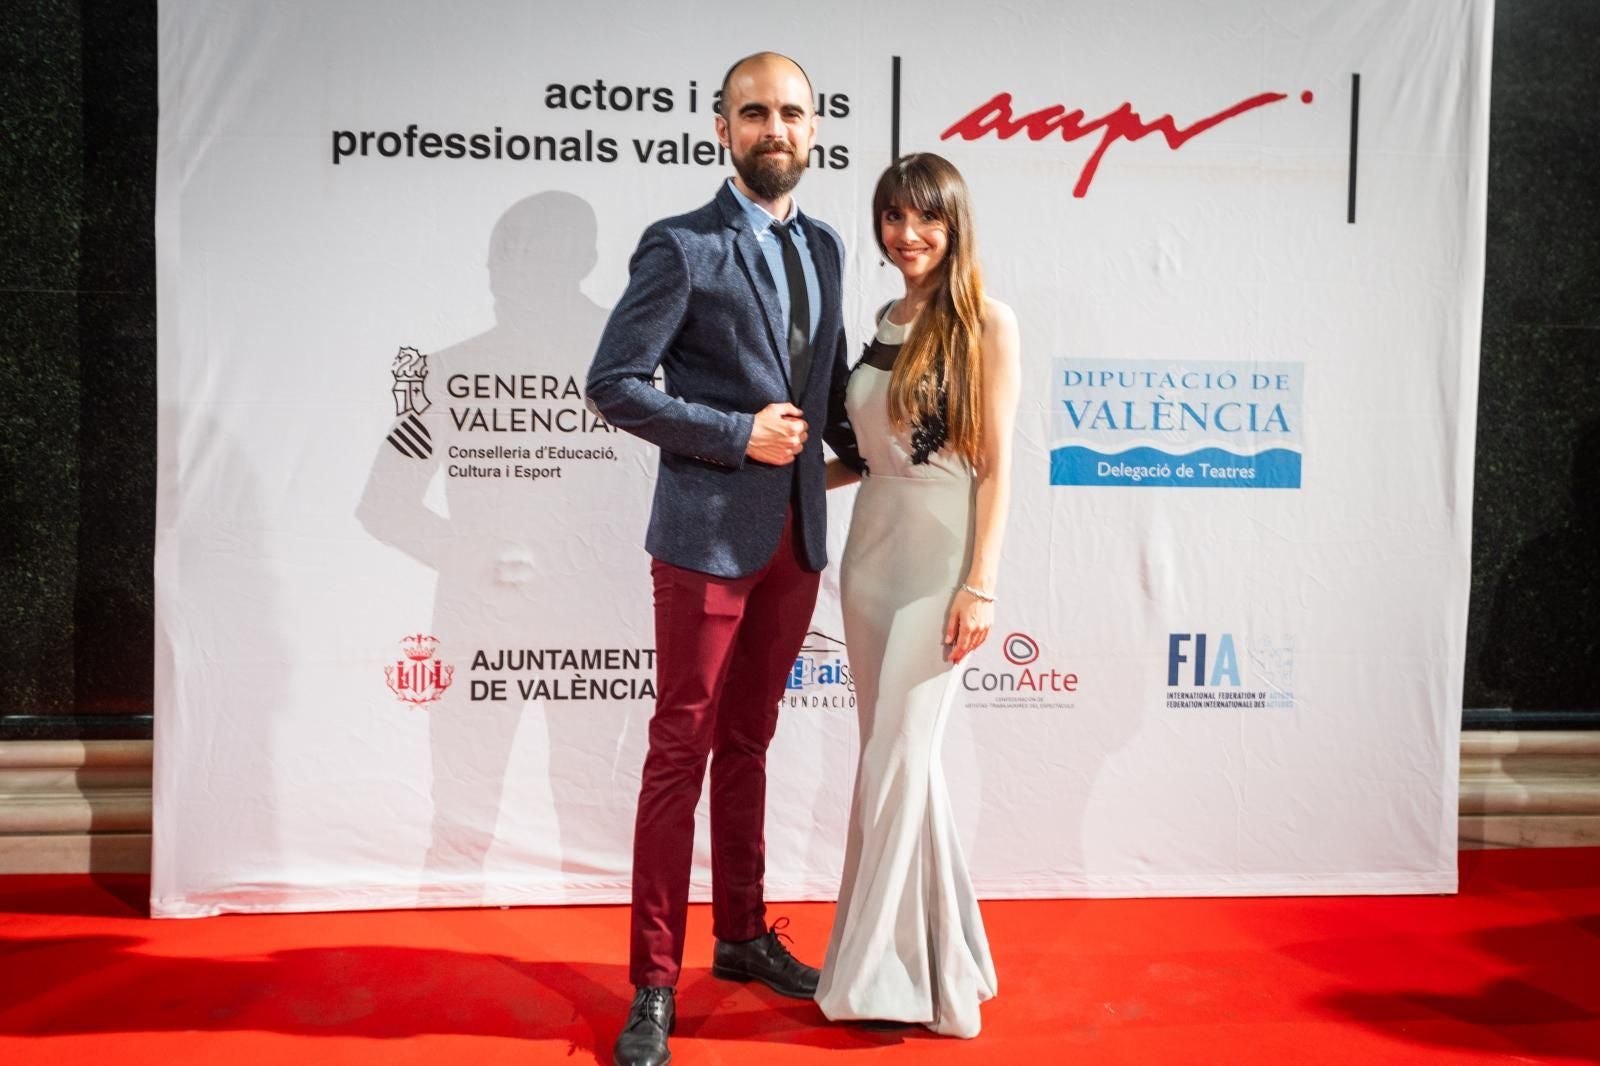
x: 761, y: 222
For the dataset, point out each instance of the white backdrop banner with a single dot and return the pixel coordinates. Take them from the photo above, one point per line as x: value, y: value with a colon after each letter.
x: 405, y: 652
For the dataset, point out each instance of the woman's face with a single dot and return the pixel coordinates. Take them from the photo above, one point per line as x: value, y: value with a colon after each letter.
x: 916, y: 240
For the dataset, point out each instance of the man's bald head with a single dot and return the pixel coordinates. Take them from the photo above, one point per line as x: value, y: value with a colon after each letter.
x: 760, y: 58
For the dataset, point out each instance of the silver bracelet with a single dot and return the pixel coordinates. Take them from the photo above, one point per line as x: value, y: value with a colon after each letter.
x: 979, y: 593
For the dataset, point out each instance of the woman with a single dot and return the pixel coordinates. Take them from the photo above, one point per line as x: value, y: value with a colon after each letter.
x: 933, y: 402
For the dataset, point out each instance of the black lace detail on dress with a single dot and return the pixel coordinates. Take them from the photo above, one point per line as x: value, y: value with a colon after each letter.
x: 929, y: 433
x: 866, y: 349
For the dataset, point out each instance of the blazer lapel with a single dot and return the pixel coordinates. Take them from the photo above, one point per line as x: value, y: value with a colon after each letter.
x: 829, y: 269
x: 760, y: 278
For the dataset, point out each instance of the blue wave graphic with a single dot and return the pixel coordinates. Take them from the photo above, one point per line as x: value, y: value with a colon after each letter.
x: 1208, y: 468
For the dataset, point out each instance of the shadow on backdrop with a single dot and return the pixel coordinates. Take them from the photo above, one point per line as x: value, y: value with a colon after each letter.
x: 224, y: 643
x: 516, y: 565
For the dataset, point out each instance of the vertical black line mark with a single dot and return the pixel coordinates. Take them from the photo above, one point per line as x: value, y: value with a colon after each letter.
x: 1355, y: 126
x: 894, y: 111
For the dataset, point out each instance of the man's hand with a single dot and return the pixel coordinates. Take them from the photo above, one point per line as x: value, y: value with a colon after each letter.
x: 778, y: 434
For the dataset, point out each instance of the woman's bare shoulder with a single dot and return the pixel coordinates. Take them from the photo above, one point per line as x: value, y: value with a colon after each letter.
x: 998, y: 317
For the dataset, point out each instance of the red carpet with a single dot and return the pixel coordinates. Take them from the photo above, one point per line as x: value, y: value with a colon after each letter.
x: 1505, y: 972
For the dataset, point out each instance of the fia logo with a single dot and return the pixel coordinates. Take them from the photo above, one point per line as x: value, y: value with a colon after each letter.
x: 1193, y: 648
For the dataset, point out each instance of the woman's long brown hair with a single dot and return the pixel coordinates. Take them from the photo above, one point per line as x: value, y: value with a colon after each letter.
x: 943, y: 347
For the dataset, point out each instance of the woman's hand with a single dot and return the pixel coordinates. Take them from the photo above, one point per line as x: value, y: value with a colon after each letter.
x: 967, y: 625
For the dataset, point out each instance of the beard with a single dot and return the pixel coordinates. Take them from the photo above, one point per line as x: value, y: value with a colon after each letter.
x: 770, y: 174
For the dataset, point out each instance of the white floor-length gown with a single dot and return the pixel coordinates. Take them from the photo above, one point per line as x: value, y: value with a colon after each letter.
x: 908, y: 942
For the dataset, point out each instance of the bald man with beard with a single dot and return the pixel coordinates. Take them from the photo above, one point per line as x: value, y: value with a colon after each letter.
x: 739, y: 304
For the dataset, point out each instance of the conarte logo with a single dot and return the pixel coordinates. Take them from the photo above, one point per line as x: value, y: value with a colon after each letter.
x: 1020, y: 650
x: 1122, y: 123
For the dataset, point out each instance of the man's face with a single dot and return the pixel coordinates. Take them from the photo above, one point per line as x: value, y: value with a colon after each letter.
x: 769, y: 126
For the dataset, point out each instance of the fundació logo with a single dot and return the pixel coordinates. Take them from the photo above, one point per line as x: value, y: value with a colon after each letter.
x: 820, y: 676
x: 409, y: 436
x: 417, y: 677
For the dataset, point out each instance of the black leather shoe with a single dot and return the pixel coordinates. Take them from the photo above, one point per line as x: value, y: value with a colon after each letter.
x: 643, y: 1040
x: 765, y: 959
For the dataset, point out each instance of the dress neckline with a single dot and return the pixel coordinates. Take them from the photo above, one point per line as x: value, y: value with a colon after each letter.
x: 893, y: 332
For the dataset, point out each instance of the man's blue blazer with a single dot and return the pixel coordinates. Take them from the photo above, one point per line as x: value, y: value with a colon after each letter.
x: 702, y: 305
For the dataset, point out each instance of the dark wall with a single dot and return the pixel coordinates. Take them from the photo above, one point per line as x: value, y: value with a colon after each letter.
x: 1535, y: 621
x: 77, y: 407
x: 77, y: 359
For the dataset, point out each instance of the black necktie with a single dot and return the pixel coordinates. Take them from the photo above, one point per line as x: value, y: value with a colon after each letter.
x: 799, y: 312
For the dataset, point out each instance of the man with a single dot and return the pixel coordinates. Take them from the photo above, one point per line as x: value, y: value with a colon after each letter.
x: 739, y: 303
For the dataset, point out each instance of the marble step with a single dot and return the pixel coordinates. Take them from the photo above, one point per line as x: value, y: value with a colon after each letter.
x: 77, y: 806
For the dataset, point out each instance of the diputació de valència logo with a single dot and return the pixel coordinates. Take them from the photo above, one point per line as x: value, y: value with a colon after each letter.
x: 1205, y: 424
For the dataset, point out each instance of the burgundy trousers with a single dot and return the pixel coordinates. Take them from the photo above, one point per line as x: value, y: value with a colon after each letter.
x: 724, y: 649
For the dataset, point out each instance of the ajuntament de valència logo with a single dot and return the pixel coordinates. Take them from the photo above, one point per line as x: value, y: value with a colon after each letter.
x: 562, y: 674
x: 417, y: 677
x: 1029, y: 677
x: 1217, y: 671
x: 409, y: 436
x: 1149, y: 423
